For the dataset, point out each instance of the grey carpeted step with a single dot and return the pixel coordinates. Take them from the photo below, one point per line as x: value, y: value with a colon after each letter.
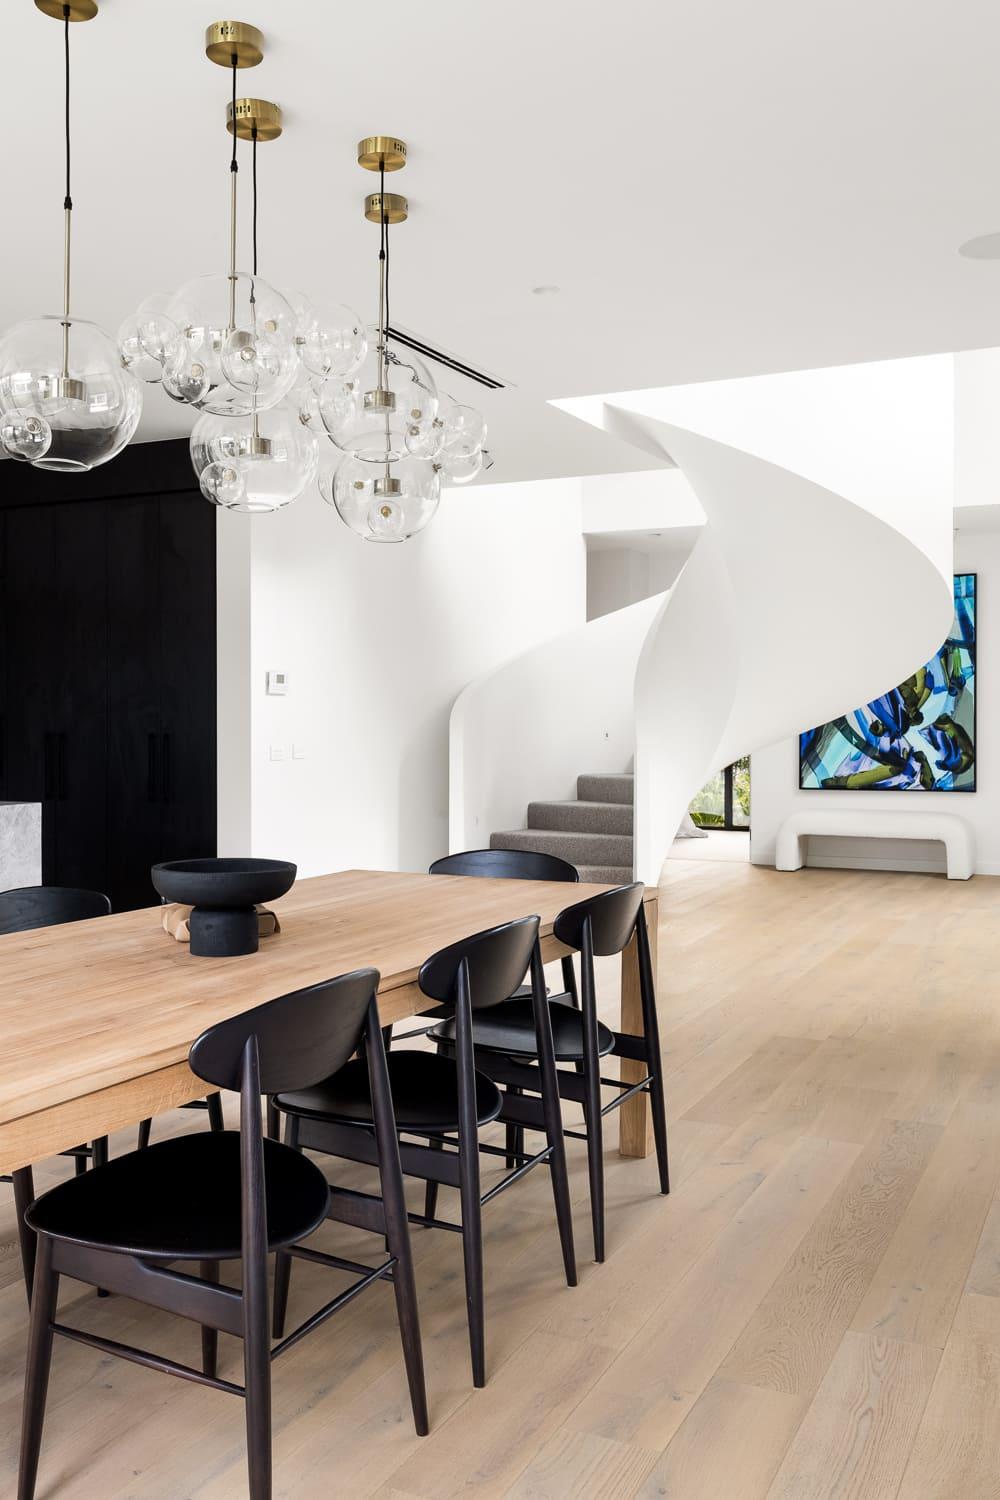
x: 606, y: 874
x: 581, y: 817
x: 578, y: 848
x: 606, y: 788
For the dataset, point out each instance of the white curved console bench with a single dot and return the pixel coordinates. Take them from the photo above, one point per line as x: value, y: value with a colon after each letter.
x: 854, y: 823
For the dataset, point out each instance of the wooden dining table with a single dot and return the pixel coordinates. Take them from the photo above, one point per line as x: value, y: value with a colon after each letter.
x: 97, y: 1017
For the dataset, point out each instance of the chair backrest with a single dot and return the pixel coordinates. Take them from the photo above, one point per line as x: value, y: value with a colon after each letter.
x: 612, y: 917
x: 505, y: 864
x: 31, y: 906
x: 301, y: 1038
x: 497, y: 961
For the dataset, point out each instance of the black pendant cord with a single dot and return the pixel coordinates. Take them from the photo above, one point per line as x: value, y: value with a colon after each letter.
x: 253, y: 220
x: 67, y: 201
x: 234, y: 165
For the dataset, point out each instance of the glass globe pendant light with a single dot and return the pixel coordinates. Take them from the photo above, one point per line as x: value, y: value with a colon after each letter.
x: 388, y: 418
x: 222, y: 343
x: 263, y: 458
x: 66, y: 403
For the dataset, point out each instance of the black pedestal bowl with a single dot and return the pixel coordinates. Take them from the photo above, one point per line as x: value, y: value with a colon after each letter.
x: 223, y: 894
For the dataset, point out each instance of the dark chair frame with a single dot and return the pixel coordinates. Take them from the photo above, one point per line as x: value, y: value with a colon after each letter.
x: 447, y: 978
x: 601, y: 925
x: 255, y: 1053
x: 505, y: 864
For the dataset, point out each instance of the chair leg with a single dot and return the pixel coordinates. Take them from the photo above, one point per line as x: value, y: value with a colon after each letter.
x: 552, y: 1117
x: 513, y: 1136
x: 79, y: 1162
x: 431, y: 1188
x: 282, y: 1260
x: 257, y: 1380
x: 36, y: 1381
x: 657, y: 1104
x: 387, y: 1038
x: 24, y: 1194
x: 654, y: 1058
x: 472, y: 1249
x: 215, y: 1119
x: 145, y: 1126
x: 273, y: 1123
x: 99, y: 1152
x: 592, y: 1105
x: 397, y: 1226
x: 209, y: 1336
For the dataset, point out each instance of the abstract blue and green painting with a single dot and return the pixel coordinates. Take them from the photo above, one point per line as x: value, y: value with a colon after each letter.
x: 919, y: 737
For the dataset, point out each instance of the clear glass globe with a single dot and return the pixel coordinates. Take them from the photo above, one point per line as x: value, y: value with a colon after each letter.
x: 459, y: 468
x: 331, y: 341
x: 266, y: 460
x: 149, y: 340
x: 371, y: 414
x: 304, y: 396
x: 425, y: 442
x: 382, y: 507
x: 25, y: 437
x: 222, y: 484
x: 214, y: 345
x: 463, y: 431
x: 73, y: 378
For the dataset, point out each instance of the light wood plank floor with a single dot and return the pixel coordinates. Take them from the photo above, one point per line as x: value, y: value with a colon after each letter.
x: 814, y: 1314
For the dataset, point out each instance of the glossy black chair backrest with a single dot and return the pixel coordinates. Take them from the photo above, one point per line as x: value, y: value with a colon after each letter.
x: 32, y: 906
x: 612, y: 916
x: 505, y: 864
x: 301, y: 1038
x: 497, y: 961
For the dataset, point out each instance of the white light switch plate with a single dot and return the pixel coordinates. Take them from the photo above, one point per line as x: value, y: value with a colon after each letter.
x: 298, y: 752
x: 277, y: 752
x: 277, y: 683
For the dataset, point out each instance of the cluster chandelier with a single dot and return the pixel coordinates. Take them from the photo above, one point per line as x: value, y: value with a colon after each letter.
x: 65, y: 400
x: 232, y: 346
x: 388, y: 419
x: 273, y: 378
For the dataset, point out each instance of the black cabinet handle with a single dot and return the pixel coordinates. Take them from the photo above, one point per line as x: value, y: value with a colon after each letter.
x: 63, y: 792
x: 151, y: 767
x: 165, y: 767
x: 48, y: 774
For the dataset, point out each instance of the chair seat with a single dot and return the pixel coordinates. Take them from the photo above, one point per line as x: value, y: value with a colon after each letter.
x: 179, y: 1199
x: 424, y: 1094
x: 510, y: 1028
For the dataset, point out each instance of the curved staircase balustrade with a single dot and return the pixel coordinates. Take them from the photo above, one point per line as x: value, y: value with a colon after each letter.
x: 796, y: 603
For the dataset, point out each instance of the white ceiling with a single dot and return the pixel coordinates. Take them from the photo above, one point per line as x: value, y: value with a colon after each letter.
x: 718, y: 188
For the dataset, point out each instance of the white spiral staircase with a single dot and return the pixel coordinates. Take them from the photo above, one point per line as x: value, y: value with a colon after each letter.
x: 821, y: 577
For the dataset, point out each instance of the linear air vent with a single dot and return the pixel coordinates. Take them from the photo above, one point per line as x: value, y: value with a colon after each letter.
x: 426, y: 351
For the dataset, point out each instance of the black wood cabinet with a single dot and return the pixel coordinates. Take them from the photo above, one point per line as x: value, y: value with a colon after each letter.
x: 107, y: 680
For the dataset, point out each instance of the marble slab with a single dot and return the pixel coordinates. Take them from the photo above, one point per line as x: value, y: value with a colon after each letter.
x: 20, y: 844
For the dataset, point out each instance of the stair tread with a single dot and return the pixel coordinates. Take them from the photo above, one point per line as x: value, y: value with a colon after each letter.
x: 569, y: 835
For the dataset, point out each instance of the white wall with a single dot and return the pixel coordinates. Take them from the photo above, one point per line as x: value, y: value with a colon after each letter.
x: 774, y: 771
x: 524, y: 732
x: 377, y: 641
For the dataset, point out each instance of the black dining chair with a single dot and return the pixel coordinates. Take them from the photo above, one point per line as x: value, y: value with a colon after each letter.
x: 225, y: 1196
x: 514, y: 864
x: 33, y: 906
x: 504, y: 1047
x: 445, y: 1102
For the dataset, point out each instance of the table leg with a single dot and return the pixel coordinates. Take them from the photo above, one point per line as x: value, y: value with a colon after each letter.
x: 24, y: 1195
x: 635, y: 1134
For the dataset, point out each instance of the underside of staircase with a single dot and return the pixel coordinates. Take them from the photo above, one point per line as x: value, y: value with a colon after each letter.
x: 593, y: 832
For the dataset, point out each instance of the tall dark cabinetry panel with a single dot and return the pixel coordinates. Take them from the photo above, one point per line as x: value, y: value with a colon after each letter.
x: 107, y: 686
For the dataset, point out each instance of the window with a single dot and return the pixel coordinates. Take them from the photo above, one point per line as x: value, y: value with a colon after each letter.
x: 724, y: 800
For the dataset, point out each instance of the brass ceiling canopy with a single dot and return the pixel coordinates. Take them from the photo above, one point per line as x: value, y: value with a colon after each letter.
x: 231, y: 43
x: 79, y: 10
x: 254, y: 115
x: 381, y: 153
x: 392, y: 207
